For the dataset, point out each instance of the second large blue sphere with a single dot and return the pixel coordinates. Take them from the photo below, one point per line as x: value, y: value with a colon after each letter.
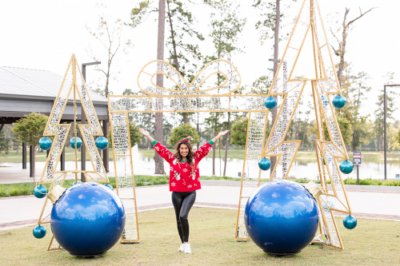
x: 270, y: 102
x: 78, y: 143
x: 281, y: 217
x: 346, y: 167
x: 339, y: 101
x: 45, y: 143
x: 39, y: 231
x: 40, y: 191
x: 88, y: 219
x: 350, y: 222
x: 101, y: 143
x: 264, y: 164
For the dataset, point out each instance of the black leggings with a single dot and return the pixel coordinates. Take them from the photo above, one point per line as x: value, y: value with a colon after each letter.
x: 183, y: 202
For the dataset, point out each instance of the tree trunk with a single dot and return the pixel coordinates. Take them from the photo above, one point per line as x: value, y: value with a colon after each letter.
x: 34, y: 164
x: 213, y: 159
x: 305, y: 132
x: 227, y: 142
x: 276, y: 65
x: 159, y: 162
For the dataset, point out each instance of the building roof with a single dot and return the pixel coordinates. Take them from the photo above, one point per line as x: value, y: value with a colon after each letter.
x: 34, y: 83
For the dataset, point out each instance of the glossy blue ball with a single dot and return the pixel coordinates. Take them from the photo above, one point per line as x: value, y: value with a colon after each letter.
x: 101, y: 143
x: 40, y: 191
x: 78, y: 143
x: 346, y: 167
x: 88, y: 219
x: 39, y: 231
x: 339, y: 101
x: 270, y: 102
x: 45, y: 143
x: 264, y: 164
x: 325, y: 101
x: 350, y: 222
x: 73, y: 184
x: 281, y: 217
x: 109, y: 186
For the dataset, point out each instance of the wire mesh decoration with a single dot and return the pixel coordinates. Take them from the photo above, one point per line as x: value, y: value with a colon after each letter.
x: 72, y: 88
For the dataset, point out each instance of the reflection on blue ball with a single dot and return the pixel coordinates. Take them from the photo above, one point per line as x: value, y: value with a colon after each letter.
x: 270, y: 102
x: 45, y: 143
x: 281, y: 217
x: 39, y: 231
x: 350, y: 222
x: 40, y: 191
x: 73, y: 184
x: 109, y: 186
x: 78, y: 143
x: 339, y: 101
x: 264, y: 164
x: 101, y: 143
x: 88, y: 219
x: 325, y: 101
x: 346, y: 167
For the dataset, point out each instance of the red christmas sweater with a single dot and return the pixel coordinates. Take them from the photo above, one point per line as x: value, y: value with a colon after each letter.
x: 181, y: 178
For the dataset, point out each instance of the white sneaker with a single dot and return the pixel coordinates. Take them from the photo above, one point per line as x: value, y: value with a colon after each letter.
x: 186, y: 248
x: 182, y: 248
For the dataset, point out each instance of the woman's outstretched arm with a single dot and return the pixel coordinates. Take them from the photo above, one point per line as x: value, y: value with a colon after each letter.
x: 146, y: 134
x: 160, y: 149
x: 205, y: 149
x: 220, y: 134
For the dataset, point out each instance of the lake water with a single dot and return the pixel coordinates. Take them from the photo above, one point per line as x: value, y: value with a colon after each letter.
x: 300, y: 169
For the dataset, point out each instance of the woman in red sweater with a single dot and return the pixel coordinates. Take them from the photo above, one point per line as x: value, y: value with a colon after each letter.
x: 184, y: 179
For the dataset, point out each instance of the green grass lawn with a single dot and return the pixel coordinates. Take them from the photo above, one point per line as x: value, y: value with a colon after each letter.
x: 372, y: 242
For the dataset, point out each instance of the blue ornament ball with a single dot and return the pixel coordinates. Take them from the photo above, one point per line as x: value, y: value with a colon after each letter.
x: 346, y: 167
x: 39, y: 232
x: 101, y: 143
x: 78, y: 143
x: 45, y: 143
x: 264, y: 164
x: 270, y: 102
x: 281, y: 217
x: 109, y: 186
x: 350, y: 222
x: 339, y: 101
x: 88, y: 219
x: 325, y: 101
x: 40, y: 191
x: 73, y: 184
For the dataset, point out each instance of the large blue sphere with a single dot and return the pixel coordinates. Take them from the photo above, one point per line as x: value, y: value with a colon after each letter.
x: 40, y: 191
x: 350, y: 222
x: 39, y: 232
x: 45, y: 143
x: 88, y: 219
x: 339, y: 101
x: 78, y: 143
x: 281, y: 217
x: 346, y: 167
x: 264, y: 164
x: 101, y: 143
x: 270, y: 102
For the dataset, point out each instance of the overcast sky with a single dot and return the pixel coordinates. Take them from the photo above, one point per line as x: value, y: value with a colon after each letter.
x: 42, y: 34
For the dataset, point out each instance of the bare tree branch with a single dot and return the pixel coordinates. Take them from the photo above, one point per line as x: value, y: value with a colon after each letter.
x: 362, y: 14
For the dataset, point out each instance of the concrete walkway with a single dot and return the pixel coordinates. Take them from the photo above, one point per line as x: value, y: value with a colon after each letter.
x: 379, y: 204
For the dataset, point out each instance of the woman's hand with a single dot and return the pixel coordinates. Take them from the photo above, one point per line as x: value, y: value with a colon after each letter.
x: 144, y: 132
x: 220, y: 134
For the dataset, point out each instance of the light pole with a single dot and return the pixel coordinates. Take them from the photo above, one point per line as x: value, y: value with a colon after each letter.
x: 83, y: 120
x: 384, y: 123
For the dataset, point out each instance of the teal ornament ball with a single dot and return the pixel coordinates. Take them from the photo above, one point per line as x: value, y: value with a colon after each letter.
x: 40, y: 191
x: 39, y: 232
x: 45, y: 143
x: 264, y: 164
x: 270, y: 102
x: 346, y: 167
x: 73, y: 184
x: 101, y: 143
x: 109, y: 186
x: 78, y: 143
x: 339, y: 101
x: 350, y: 222
x: 325, y: 101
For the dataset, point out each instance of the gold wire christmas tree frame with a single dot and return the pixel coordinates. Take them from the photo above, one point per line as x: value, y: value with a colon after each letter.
x: 323, y: 85
x: 72, y: 82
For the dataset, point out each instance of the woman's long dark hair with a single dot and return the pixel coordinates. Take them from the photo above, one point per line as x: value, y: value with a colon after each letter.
x: 190, y: 157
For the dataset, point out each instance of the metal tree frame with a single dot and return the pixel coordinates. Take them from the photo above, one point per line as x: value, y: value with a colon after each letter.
x: 180, y: 96
x: 73, y: 82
